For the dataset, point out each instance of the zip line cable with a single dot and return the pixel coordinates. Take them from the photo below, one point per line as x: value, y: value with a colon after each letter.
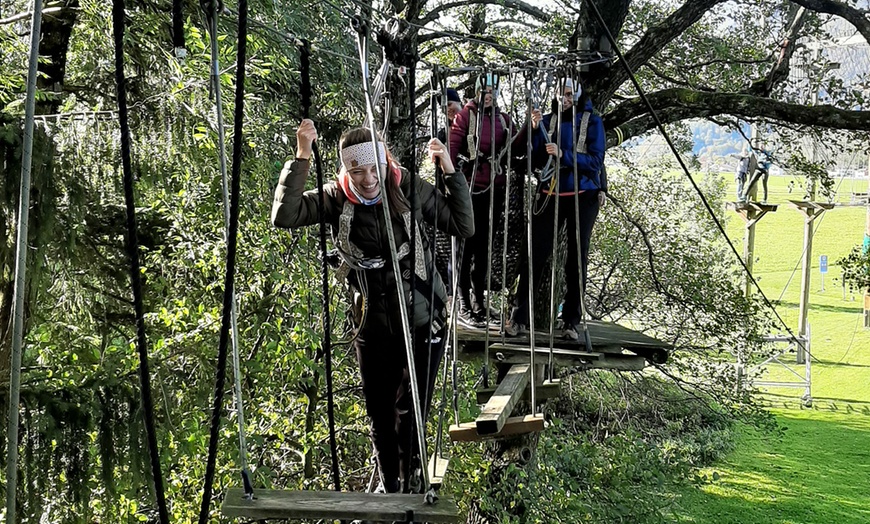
x: 685, y: 168
x: 229, y: 279
x: 21, y: 266
x: 118, y: 21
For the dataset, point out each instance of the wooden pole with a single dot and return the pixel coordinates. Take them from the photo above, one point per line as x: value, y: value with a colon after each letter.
x: 867, y: 245
x: 806, y: 266
x: 751, y: 215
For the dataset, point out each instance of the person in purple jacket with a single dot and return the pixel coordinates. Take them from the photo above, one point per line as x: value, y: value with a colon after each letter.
x: 554, y: 138
x: 483, y: 161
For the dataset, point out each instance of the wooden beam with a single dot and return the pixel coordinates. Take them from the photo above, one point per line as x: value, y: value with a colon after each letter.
x: 613, y: 361
x: 499, y: 407
x: 544, y: 391
x: 606, y: 337
x: 544, y: 352
x: 335, y: 505
x: 437, y: 470
x: 621, y: 363
x: 467, y: 431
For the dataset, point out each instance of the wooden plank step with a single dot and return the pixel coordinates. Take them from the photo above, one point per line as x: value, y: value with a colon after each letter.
x: 467, y: 431
x: 543, y: 391
x: 335, y: 505
x: 437, y: 470
x: 499, y: 407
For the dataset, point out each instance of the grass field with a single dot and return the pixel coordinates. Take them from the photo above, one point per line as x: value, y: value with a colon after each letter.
x: 819, y: 471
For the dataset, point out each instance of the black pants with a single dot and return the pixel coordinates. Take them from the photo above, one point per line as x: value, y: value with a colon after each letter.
x: 387, y: 390
x: 542, y: 249
x: 477, y: 252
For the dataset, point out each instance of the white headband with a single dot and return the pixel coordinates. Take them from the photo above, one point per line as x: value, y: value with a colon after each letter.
x: 362, y: 155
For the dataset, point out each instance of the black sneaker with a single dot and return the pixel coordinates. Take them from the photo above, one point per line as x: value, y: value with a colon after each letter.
x: 515, y: 329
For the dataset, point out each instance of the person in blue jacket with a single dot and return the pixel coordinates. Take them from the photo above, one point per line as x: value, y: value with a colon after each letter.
x: 558, y: 182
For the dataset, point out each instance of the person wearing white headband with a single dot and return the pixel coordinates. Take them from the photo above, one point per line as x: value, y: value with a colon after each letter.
x: 353, y: 207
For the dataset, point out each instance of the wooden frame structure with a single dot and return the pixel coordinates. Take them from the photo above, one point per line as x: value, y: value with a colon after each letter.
x: 613, y: 347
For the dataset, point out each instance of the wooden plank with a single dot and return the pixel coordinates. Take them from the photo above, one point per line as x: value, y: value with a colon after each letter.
x: 543, y: 391
x: 467, y: 431
x: 498, y: 408
x: 605, y: 336
x: 753, y: 206
x: 621, y: 363
x: 437, y: 470
x: 613, y: 361
x: 544, y: 352
x: 334, y: 505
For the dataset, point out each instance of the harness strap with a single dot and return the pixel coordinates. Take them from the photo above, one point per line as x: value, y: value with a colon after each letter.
x: 471, y: 139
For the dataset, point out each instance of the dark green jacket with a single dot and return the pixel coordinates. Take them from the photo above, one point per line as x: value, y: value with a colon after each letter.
x: 295, y: 207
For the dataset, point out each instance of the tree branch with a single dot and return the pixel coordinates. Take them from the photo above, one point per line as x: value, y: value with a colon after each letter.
x: 860, y: 18
x: 518, y: 5
x: 781, y: 66
x: 657, y: 38
x: 677, y: 82
x: 673, y: 105
x: 25, y: 15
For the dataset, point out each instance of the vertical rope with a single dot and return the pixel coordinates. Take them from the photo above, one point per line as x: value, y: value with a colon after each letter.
x: 557, y: 187
x: 211, y: 15
x: 506, y: 221
x: 229, y: 279
x: 493, y: 172
x: 435, y: 81
x: 412, y: 170
x: 531, y: 200
x: 362, y: 41
x: 587, y: 340
x: 21, y: 266
x: 133, y: 252
x: 305, y: 94
x: 178, y: 29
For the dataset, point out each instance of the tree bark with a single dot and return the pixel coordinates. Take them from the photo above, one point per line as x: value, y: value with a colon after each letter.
x: 677, y: 104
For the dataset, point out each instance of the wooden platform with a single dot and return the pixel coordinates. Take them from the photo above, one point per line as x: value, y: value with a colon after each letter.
x: 742, y: 207
x: 467, y: 431
x: 607, y: 339
x: 334, y: 505
x: 805, y: 205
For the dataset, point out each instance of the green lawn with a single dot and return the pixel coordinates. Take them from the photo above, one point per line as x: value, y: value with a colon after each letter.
x: 819, y: 471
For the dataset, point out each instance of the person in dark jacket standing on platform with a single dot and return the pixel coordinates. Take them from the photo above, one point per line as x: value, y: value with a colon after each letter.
x: 352, y: 207
x: 559, y: 183
x: 482, y: 162
x: 454, y: 106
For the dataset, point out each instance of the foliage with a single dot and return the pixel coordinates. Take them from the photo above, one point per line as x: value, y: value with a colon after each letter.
x: 856, y: 269
x: 658, y: 266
